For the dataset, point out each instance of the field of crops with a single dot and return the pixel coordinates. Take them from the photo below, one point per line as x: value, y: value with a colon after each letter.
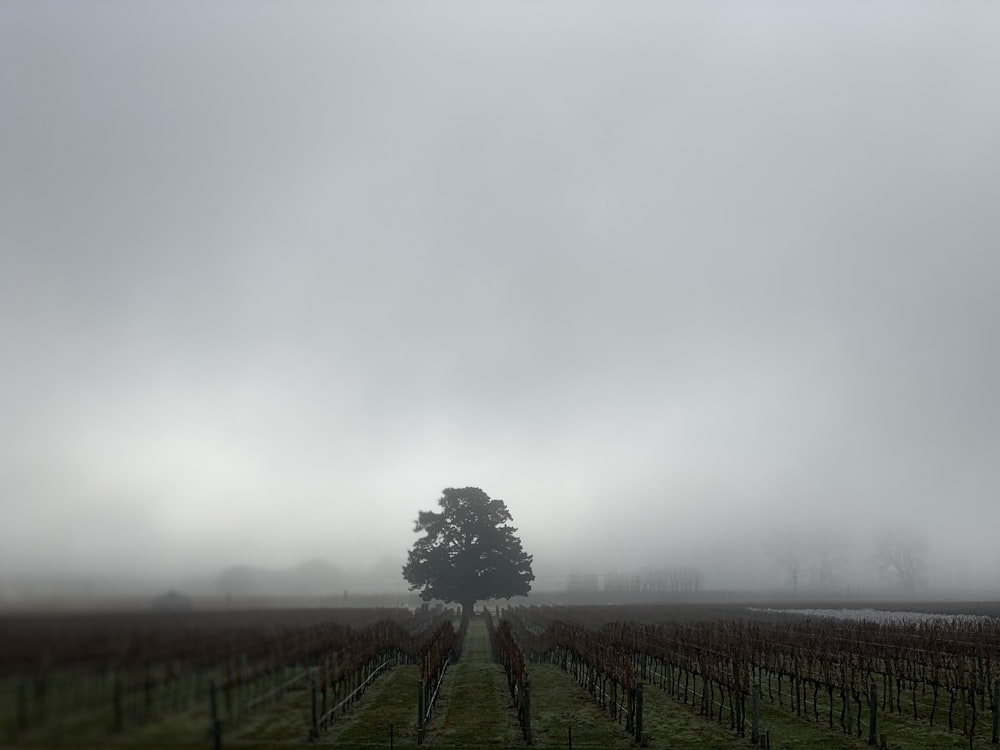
x: 654, y: 675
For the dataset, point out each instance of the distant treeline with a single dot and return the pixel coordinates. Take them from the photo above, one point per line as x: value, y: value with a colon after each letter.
x: 678, y: 579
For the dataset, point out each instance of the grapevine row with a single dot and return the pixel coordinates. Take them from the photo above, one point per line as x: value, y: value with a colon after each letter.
x: 131, y: 670
x: 915, y: 671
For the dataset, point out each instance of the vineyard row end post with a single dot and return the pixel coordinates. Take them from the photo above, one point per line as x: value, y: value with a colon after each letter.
x: 527, y: 712
x: 314, y: 730
x: 22, y: 706
x: 216, y: 723
x: 638, y: 712
x: 421, y: 698
x: 848, y: 708
x: 755, y: 715
x: 873, y: 714
x: 119, y: 718
x: 996, y: 711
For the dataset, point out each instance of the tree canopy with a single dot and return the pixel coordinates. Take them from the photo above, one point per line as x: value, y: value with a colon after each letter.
x: 469, y: 551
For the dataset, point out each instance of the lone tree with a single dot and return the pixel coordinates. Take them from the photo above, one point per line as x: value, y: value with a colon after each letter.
x: 901, y: 556
x: 469, y: 552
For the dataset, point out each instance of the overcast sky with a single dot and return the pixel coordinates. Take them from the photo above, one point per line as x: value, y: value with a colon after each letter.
x: 670, y: 279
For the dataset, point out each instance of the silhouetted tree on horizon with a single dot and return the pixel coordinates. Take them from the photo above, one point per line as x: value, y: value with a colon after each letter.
x: 469, y: 552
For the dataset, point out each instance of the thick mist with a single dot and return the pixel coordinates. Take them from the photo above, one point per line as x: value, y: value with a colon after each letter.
x: 685, y: 285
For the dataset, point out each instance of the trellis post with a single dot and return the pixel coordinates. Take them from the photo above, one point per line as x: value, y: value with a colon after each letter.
x: 996, y: 711
x: 755, y: 715
x: 872, y: 714
x: 638, y: 712
x: 421, y: 711
x: 526, y: 703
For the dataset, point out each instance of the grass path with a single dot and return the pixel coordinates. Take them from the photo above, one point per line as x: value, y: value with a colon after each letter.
x: 560, y: 706
x: 474, y: 709
x: 391, y: 702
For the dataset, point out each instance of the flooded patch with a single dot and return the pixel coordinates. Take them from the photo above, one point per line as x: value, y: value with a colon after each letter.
x: 881, y: 616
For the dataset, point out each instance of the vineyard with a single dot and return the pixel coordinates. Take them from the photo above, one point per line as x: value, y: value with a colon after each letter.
x: 658, y: 676
x: 844, y: 676
x: 83, y: 680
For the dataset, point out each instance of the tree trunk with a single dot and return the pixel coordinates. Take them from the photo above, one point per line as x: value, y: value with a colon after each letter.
x: 467, y: 609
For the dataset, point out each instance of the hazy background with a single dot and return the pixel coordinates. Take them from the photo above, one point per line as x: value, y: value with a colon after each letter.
x: 681, y: 283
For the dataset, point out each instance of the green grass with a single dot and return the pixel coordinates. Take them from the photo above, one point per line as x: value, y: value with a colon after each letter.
x: 664, y: 719
x: 559, y: 706
x: 902, y: 732
x: 390, y: 704
x: 672, y: 724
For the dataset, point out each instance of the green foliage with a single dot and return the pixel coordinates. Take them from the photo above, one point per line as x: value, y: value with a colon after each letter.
x: 469, y: 551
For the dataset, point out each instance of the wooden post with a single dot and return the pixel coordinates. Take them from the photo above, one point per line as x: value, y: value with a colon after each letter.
x: 848, y: 704
x: 755, y: 715
x: 630, y: 717
x: 314, y: 731
x: 887, y: 700
x: 322, y: 710
x: 22, y: 706
x: 569, y: 735
x: 421, y: 708
x: 527, y: 712
x: 244, y: 670
x: 996, y: 712
x: 638, y: 712
x: 964, y: 696
x: 872, y: 713
x: 797, y: 708
x: 741, y: 713
x: 41, y: 688
x: 117, y: 699
x: 216, y: 724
